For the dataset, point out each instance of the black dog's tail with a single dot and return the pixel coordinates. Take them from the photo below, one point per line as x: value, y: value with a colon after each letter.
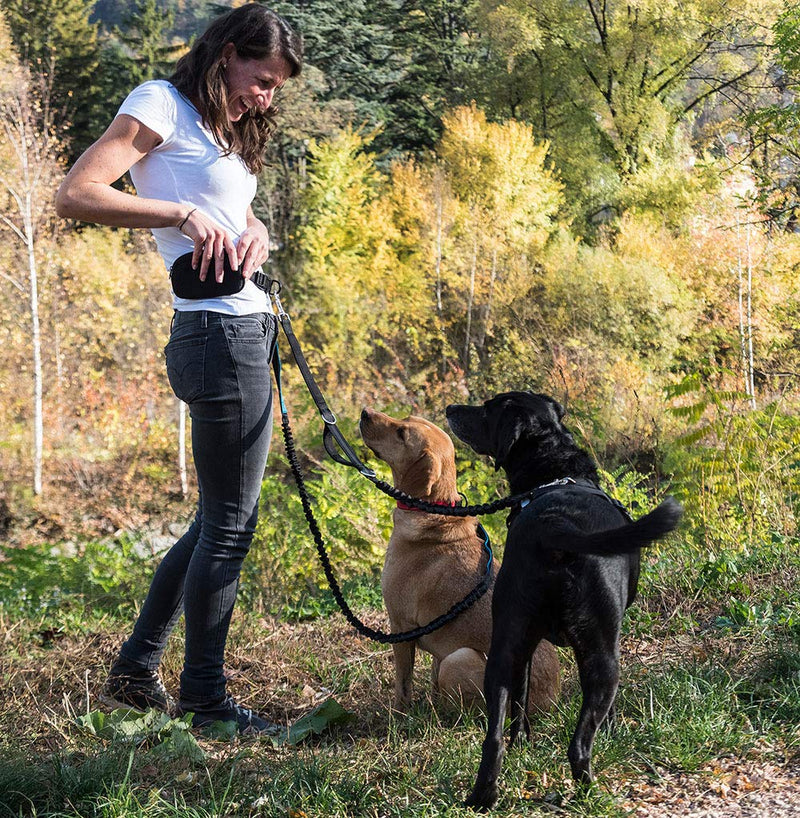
x: 638, y: 534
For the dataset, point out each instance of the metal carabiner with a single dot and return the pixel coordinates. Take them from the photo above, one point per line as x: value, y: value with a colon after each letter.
x: 273, y: 295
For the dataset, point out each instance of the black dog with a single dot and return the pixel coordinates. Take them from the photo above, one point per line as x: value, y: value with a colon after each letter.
x: 570, y: 569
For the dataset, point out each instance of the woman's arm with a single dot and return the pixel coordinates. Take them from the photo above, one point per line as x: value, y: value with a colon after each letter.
x: 86, y: 194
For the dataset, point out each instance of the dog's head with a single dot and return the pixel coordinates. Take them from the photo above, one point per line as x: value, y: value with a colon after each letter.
x: 501, y: 422
x: 420, y: 454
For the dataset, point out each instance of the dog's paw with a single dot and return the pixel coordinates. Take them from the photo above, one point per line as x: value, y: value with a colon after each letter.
x: 482, y: 800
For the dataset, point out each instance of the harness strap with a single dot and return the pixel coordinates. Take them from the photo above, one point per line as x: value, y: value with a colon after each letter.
x: 586, y: 486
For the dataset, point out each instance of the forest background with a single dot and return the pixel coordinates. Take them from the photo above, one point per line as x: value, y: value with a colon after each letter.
x: 599, y: 200
x: 596, y: 200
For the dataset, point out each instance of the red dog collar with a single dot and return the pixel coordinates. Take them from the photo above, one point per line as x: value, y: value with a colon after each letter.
x: 404, y: 507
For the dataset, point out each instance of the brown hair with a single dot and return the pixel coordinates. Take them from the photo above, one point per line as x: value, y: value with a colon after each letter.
x: 256, y: 33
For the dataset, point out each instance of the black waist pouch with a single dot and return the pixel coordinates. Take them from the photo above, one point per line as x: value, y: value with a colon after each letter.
x: 186, y: 280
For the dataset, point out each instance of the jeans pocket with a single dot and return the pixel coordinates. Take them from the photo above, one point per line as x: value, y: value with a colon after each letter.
x: 186, y: 365
x: 248, y: 329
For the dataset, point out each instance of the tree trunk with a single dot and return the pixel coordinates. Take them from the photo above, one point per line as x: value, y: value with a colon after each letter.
x: 746, y: 316
x: 751, y: 383
x: 36, y: 340
x: 487, y: 311
x: 438, y: 263
x: 470, y: 301
x: 29, y: 180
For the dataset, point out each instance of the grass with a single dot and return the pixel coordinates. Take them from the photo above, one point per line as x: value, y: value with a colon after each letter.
x: 701, y: 689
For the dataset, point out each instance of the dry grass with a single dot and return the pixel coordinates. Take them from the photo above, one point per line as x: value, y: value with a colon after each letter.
x: 381, y: 764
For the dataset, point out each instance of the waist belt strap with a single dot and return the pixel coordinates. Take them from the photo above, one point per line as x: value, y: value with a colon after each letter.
x: 261, y: 280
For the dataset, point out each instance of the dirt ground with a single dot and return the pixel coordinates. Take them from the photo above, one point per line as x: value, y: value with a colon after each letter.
x: 730, y: 788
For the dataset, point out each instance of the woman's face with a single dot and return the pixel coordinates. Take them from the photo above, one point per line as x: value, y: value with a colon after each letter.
x: 251, y: 83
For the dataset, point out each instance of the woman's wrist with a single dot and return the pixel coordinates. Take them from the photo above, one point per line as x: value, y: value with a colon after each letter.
x: 185, y: 218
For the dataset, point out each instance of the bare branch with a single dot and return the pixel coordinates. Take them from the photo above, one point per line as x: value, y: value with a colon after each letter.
x: 11, y: 226
x: 13, y: 281
x: 717, y: 89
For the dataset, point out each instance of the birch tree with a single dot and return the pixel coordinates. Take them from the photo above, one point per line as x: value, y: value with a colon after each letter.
x: 29, y: 173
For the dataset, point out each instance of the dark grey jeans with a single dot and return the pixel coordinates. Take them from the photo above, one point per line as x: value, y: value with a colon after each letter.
x: 219, y: 365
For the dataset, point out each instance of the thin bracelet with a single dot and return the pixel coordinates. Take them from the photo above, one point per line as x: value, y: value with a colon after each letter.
x: 185, y: 219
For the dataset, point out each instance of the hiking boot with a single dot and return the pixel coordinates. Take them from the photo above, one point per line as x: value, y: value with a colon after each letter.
x: 137, y: 690
x: 248, y: 723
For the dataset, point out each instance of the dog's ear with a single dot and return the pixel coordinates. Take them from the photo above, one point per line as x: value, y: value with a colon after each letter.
x: 424, y: 472
x: 508, y: 433
x: 560, y: 410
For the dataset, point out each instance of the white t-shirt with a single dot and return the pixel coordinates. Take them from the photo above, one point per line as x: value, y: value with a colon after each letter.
x: 188, y: 167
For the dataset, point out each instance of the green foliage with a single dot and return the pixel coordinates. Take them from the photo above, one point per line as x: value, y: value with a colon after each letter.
x: 166, y: 738
x: 169, y: 739
x: 57, y: 38
x: 741, y: 614
x: 344, y: 239
x: 771, y: 693
x: 441, y: 57
x: 328, y: 714
x: 143, y: 32
x: 686, y: 715
x: 354, y: 48
x: 395, y: 65
x: 734, y: 470
x: 615, y: 303
x: 632, y: 488
x: 752, y: 589
x: 775, y: 126
x: 43, y: 581
x: 610, y: 85
x: 283, y: 567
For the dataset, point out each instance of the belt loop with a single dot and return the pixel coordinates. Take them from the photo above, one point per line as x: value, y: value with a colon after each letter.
x: 172, y: 320
x: 203, y: 319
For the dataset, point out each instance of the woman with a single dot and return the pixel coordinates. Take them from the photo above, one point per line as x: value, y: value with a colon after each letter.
x: 193, y: 145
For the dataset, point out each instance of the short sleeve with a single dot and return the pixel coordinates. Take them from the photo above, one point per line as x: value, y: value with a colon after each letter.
x: 154, y: 106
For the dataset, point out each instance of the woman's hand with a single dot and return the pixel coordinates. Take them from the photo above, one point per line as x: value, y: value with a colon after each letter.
x: 253, y: 245
x: 211, y: 243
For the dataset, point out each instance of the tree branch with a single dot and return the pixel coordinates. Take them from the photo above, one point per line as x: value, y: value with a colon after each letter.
x: 13, y: 281
x: 718, y: 88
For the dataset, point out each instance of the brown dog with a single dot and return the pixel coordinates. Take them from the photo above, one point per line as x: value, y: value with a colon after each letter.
x: 432, y: 562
